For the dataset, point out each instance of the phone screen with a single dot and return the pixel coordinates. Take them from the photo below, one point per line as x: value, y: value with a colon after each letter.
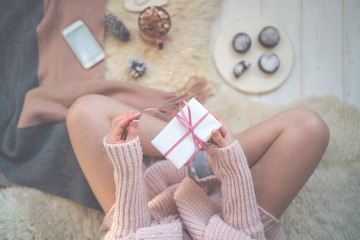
x: 83, y: 43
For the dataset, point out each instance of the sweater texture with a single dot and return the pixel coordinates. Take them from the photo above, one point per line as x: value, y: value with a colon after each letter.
x: 164, y: 203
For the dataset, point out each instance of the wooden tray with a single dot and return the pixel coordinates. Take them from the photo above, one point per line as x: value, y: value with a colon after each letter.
x: 253, y: 80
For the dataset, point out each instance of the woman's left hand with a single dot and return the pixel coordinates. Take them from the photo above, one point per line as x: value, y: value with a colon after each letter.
x: 222, y: 137
x: 124, y: 128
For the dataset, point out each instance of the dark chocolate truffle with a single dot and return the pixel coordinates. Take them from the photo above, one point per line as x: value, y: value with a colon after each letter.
x: 241, y: 67
x: 241, y: 42
x: 269, y: 62
x: 269, y: 37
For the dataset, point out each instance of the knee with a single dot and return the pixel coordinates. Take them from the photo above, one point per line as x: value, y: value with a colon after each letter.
x: 83, y: 109
x: 311, y: 124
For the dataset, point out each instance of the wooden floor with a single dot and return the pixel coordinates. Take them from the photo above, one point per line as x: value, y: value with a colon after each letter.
x: 326, y: 38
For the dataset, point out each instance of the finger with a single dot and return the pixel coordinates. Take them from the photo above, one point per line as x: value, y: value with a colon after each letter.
x: 121, y: 123
x: 121, y: 117
x: 224, y: 130
x: 219, y: 139
x: 119, y: 127
x: 113, y: 139
x: 132, y: 131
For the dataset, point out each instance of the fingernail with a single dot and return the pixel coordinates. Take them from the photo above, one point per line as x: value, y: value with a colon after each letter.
x: 215, y: 132
x: 135, y: 123
x: 138, y: 116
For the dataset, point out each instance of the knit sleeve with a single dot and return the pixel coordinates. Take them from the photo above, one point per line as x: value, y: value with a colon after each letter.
x: 131, y: 211
x: 239, y: 207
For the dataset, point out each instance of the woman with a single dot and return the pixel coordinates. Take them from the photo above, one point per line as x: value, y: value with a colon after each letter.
x: 281, y: 154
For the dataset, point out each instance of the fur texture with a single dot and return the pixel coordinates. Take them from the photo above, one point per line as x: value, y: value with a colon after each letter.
x: 328, y: 206
x: 185, y: 53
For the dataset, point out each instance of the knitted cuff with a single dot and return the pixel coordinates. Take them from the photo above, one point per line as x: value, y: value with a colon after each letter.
x: 126, y: 157
x: 226, y: 161
x: 131, y: 211
x: 238, y: 195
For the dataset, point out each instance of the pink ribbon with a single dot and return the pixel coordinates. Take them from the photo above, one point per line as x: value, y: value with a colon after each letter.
x: 187, y: 122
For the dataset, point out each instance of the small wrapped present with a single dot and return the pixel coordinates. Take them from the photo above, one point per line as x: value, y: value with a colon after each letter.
x: 184, y: 135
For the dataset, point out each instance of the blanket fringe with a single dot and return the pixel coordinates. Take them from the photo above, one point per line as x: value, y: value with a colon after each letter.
x: 196, y: 87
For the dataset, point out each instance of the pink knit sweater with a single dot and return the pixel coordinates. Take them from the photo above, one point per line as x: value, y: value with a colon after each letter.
x: 163, y: 203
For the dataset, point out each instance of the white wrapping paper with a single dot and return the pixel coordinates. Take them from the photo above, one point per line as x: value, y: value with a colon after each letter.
x: 174, y: 130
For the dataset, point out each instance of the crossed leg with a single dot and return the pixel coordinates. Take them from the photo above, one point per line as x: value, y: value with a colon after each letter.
x: 88, y: 121
x: 282, y: 151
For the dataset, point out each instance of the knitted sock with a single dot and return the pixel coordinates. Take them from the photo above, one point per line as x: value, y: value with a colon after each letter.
x: 195, y: 207
x: 272, y: 226
x: 163, y: 204
x: 117, y: 27
x: 161, y: 175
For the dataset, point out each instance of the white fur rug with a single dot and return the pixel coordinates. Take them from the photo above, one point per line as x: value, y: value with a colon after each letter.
x: 186, y: 49
x: 328, y: 207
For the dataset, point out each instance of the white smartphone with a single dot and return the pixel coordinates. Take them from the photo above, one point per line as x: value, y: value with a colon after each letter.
x: 83, y: 44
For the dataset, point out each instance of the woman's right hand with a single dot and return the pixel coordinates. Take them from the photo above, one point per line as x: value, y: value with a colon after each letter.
x: 124, y: 128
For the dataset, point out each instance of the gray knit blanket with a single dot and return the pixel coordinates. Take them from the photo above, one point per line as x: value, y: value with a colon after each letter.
x: 38, y: 156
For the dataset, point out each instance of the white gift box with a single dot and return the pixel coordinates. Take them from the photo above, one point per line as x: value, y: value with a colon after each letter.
x: 174, y: 131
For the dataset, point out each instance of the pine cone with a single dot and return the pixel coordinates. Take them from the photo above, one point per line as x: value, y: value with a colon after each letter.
x: 136, y: 67
x: 117, y: 27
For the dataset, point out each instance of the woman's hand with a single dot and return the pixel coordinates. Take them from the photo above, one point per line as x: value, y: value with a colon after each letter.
x: 124, y: 128
x: 222, y: 137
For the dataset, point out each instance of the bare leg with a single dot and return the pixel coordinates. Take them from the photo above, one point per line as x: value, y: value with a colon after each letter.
x: 283, y: 152
x: 88, y: 121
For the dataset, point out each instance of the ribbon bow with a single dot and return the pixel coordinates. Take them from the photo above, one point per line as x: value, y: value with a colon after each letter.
x: 187, y: 122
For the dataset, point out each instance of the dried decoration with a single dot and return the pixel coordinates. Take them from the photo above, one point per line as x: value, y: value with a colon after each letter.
x: 117, y: 27
x: 137, y: 67
x: 154, y: 22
